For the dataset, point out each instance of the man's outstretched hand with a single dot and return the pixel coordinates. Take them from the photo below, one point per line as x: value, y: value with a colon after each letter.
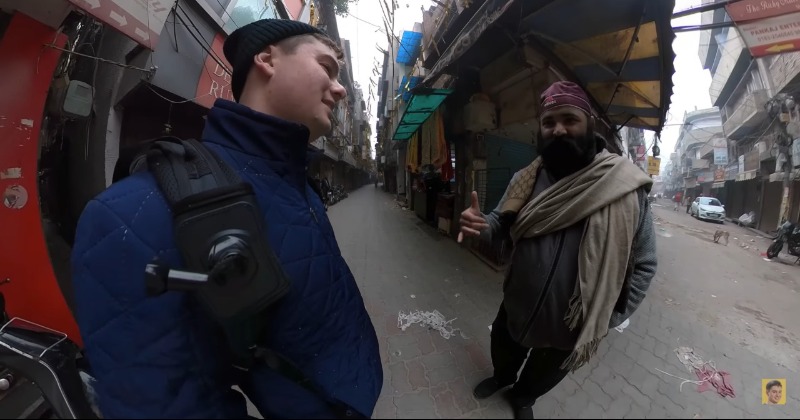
x: 472, y: 221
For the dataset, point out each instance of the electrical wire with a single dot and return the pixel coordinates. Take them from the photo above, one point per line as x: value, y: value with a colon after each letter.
x: 203, y: 44
x: 195, y: 33
x: 99, y: 59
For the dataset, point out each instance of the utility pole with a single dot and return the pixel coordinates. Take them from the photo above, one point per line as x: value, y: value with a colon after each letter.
x: 783, y: 106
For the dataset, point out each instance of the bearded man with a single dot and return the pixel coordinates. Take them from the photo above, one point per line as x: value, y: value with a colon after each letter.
x: 584, y: 251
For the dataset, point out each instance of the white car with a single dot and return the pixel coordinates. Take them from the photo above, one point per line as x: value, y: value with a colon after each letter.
x: 708, y: 208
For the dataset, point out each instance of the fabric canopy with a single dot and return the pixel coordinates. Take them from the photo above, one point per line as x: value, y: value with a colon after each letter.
x: 620, y: 51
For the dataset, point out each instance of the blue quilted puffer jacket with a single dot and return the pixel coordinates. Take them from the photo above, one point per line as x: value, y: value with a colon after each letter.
x: 159, y: 356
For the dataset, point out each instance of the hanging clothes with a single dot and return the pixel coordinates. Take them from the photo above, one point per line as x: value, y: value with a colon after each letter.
x: 440, y: 153
x: 426, y: 134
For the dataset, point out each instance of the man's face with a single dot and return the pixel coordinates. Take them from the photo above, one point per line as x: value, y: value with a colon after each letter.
x: 303, y: 85
x: 564, y: 121
x: 566, y: 140
x: 774, y: 394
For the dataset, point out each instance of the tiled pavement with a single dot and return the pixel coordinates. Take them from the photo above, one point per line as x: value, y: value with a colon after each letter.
x: 394, y: 256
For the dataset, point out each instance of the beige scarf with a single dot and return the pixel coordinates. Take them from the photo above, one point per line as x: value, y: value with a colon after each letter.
x: 605, y: 193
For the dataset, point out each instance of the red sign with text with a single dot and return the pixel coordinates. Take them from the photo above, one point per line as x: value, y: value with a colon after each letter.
x: 746, y: 10
x: 215, y: 79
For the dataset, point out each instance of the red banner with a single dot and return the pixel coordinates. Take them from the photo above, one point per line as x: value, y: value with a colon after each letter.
x: 746, y: 10
x: 215, y: 80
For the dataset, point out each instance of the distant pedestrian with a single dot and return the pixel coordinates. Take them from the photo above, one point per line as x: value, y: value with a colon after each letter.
x: 688, y: 203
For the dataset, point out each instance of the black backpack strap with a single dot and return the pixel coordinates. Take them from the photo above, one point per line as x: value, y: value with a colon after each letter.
x: 184, y: 168
x: 288, y: 370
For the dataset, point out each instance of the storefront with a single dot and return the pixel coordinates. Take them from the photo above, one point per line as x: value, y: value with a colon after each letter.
x: 29, y: 283
x: 496, y: 80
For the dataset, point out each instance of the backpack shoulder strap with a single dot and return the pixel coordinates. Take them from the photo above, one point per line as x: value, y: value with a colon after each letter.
x: 184, y: 168
x: 187, y: 168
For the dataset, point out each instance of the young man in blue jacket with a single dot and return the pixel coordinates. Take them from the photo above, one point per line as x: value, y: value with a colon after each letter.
x: 161, y: 356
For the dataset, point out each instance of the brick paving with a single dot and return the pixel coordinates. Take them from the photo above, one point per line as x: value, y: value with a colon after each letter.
x: 403, y: 264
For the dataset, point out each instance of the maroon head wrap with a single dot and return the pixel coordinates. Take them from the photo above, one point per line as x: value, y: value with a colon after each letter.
x: 565, y: 94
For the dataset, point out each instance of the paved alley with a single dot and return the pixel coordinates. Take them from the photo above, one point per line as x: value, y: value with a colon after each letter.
x: 705, y: 296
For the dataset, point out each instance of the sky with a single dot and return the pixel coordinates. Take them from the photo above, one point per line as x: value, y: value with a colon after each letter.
x: 691, y: 81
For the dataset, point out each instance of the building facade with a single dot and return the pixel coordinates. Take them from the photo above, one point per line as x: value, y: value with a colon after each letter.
x: 757, y: 142
x: 460, y: 95
x: 693, y: 167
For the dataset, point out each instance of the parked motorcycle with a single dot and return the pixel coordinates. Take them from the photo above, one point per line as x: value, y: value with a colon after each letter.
x: 332, y: 197
x: 34, y: 354
x: 788, y: 233
x: 339, y: 193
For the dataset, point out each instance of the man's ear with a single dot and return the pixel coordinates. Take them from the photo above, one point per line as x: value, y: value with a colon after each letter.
x: 591, y: 123
x: 264, y: 61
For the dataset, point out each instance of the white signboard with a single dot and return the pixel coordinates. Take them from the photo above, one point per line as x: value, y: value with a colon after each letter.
x: 773, y: 35
x: 720, y: 156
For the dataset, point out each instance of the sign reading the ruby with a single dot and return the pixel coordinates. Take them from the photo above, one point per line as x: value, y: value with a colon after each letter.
x: 746, y: 10
x: 215, y: 79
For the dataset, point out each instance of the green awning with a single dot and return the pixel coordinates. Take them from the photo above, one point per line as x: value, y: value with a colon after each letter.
x: 420, y: 107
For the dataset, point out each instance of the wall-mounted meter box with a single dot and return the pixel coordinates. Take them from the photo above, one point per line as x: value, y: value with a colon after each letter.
x: 72, y: 99
x: 78, y: 100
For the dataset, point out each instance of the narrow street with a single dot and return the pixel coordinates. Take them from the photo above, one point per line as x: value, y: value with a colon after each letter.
x: 734, y: 309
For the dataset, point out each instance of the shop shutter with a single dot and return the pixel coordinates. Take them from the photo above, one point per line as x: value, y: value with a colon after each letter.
x: 504, y: 157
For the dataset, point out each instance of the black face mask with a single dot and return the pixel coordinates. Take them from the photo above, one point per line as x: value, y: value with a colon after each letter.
x: 565, y: 155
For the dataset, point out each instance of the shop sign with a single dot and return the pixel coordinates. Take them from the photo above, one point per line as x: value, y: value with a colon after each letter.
x: 705, y: 176
x: 215, y: 78
x: 720, y: 156
x: 640, y: 153
x: 775, y: 35
x: 719, y: 173
x: 748, y: 10
x: 653, y: 165
x: 731, y: 170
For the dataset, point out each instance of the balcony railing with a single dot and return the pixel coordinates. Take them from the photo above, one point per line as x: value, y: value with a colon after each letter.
x: 748, y: 115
